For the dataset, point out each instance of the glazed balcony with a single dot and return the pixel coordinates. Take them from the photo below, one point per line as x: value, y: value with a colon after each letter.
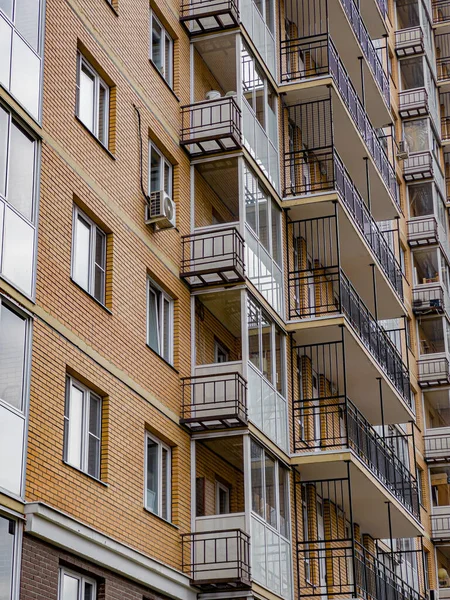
x: 413, y: 103
x: 437, y: 444
x: 217, y: 555
x: 409, y: 42
x: 423, y: 165
x: 321, y: 60
x: 208, y: 16
x: 211, y: 126
x: 441, y: 12
x: 429, y: 298
x: 335, y: 424
x: 440, y: 523
x: 423, y: 231
x: 214, y: 401
x: 443, y: 59
x: 213, y: 255
x: 434, y: 370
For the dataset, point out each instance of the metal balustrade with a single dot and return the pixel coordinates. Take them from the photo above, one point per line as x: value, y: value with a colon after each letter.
x: 217, y: 559
x: 437, y: 445
x: 418, y: 166
x: 413, y: 103
x: 342, y: 425
x: 434, y: 370
x: 214, y: 401
x: 409, y: 41
x: 423, y: 231
x: 320, y: 58
x: 213, y: 256
x: 334, y: 294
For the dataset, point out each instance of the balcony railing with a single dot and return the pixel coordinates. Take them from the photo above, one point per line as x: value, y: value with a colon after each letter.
x: 430, y: 298
x: 212, y: 256
x: 334, y: 176
x: 418, y: 166
x: 443, y: 68
x: 334, y: 294
x: 409, y: 41
x: 441, y: 11
x: 211, y: 126
x: 343, y: 426
x: 217, y: 559
x: 440, y: 523
x: 321, y: 58
x: 201, y: 16
x: 445, y: 129
x: 214, y: 401
x: 437, y: 445
x: 345, y: 568
x: 434, y: 370
x: 413, y: 103
x: 422, y: 231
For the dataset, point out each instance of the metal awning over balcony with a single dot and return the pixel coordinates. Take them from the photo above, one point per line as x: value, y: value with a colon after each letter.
x: 213, y: 255
x: 434, y: 370
x: 422, y: 231
x: 207, y: 16
x: 409, y: 41
x: 437, y: 445
x: 211, y: 126
x: 418, y: 166
x: 413, y: 103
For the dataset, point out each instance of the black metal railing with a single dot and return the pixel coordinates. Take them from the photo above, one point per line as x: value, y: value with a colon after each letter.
x: 437, y: 445
x: 333, y: 293
x: 217, y: 251
x: 441, y: 11
x: 217, y: 557
x: 345, y: 567
x: 214, y: 401
x: 342, y: 425
x: 320, y: 57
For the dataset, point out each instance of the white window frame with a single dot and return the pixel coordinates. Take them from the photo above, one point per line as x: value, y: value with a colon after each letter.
x: 167, y: 476
x: 17, y: 554
x: 81, y: 580
x: 163, y: 163
x: 221, y: 487
x: 98, y: 83
x: 167, y: 43
x: 94, y: 231
x: 219, y: 347
x: 155, y: 291
x: 84, y: 442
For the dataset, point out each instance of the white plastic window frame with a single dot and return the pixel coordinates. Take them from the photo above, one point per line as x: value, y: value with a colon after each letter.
x: 17, y: 554
x: 161, y: 477
x: 98, y: 84
x: 163, y: 164
x: 221, y: 487
x: 82, y: 580
x: 164, y: 330
x: 167, y: 47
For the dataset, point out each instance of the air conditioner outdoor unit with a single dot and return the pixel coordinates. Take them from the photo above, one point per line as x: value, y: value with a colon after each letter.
x: 403, y: 150
x: 161, y: 210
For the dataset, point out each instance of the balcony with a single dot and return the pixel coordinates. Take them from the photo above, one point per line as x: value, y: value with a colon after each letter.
x: 441, y: 12
x: 440, y: 523
x: 335, y: 424
x: 213, y: 255
x: 434, y: 370
x: 418, y: 166
x: 207, y: 16
x: 409, y: 42
x: 423, y: 231
x: 437, y: 444
x: 211, y: 126
x: 217, y: 556
x: 413, y: 103
x: 429, y: 298
x: 214, y: 401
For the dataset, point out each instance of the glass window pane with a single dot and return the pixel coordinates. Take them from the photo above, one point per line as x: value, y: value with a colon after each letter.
x: 283, y: 495
x: 75, y: 429
x: 167, y: 179
x: 11, y: 451
x: 254, y: 324
x: 12, y: 357
x: 26, y: 74
x: 250, y: 200
x: 153, y: 320
x: 157, y: 42
x: 6, y: 7
x: 168, y: 60
x: 21, y: 172
x: 279, y: 361
x: 93, y: 466
x: 99, y: 284
x: 103, y: 115
x: 165, y: 492
x: 267, y: 348
x: 86, y: 99
x: 258, y: 546
x: 155, y: 170
x: 5, y: 50
x: 7, y: 529
x: 152, y: 475
x: 99, y: 269
x: 263, y: 219
x: 416, y: 134
x: 95, y: 405
x: 70, y: 587
x: 257, y: 479
x: 88, y: 591
x: 27, y: 20
x: 167, y: 329
x: 271, y: 507
x: 4, y: 120
x: 82, y: 252
x: 276, y: 236
x: 18, y: 248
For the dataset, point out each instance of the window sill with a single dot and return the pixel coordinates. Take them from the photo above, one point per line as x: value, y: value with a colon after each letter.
x: 164, y: 360
x: 86, y: 474
x: 165, y: 82
x: 108, y: 2
x: 110, y: 154
x: 161, y: 518
x: 105, y: 308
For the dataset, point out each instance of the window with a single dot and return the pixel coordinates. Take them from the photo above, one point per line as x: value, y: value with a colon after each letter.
x: 158, y: 478
x: 161, y: 49
x: 18, y: 176
x: 73, y: 586
x: 8, y: 548
x: 160, y: 321
x: 221, y: 354
x: 222, y: 498
x: 160, y: 171
x: 89, y: 255
x: 92, y: 100
x: 82, y: 428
